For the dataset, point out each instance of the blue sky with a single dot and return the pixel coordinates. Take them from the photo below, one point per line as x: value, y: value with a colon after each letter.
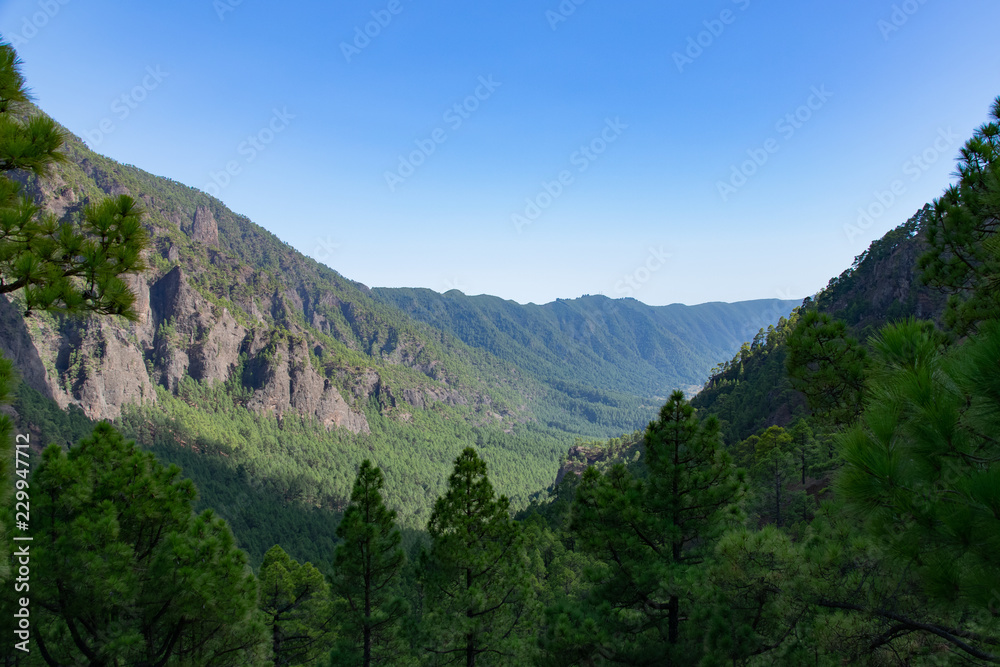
x: 672, y: 152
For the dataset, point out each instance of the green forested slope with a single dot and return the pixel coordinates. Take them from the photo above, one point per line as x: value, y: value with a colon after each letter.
x: 752, y: 391
x: 617, y: 345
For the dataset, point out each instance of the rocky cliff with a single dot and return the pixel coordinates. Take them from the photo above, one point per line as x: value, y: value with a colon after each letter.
x: 224, y: 301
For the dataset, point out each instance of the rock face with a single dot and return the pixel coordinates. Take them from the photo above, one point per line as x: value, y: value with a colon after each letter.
x: 886, y: 284
x: 17, y: 345
x: 111, y: 371
x: 579, y: 459
x: 288, y: 381
x: 205, y: 229
x: 191, y: 338
x: 102, y: 364
x: 94, y: 363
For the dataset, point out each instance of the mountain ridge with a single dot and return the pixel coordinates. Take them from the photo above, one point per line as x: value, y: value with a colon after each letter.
x: 656, y: 334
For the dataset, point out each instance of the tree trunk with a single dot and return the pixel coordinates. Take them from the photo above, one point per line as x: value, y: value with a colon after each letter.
x: 367, y: 632
x: 470, y: 642
x: 777, y: 503
x: 673, y: 605
x: 673, y: 619
x: 276, y: 640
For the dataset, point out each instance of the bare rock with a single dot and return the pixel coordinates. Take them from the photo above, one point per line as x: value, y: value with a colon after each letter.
x: 112, y: 373
x: 217, y: 355
x: 205, y: 229
x: 365, y: 383
x: 290, y: 383
x: 190, y: 338
x: 17, y: 346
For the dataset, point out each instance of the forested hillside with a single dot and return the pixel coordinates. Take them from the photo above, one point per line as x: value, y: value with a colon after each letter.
x: 752, y: 390
x: 615, y: 345
x: 358, y: 487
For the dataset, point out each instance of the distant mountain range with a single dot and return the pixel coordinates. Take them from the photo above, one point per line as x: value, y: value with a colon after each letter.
x: 616, y: 345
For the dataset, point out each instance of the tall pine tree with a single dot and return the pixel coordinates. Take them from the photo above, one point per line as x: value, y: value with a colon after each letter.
x: 368, y: 563
x: 125, y: 573
x: 773, y: 468
x: 651, y: 535
x: 295, y: 599
x: 478, y: 591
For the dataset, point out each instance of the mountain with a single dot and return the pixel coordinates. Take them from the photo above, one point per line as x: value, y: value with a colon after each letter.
x: 269, y: 377
x: 752, y: 392
x: 615, y: 345
x: 882, y: 285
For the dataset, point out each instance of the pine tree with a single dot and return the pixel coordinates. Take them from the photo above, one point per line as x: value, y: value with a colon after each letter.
x: 59, y: 267
x: 693, y: 488
x: 964, y: 254
x: 774, y: 466
x: 827, y: 365
x: 125, y: 573
x: 804, y: 448
x: 652, y: 535
x: 745, y: 453
x: 922, y: 469
x: 923, y: 464
x: 752, y: 607
x: 296, y: 605
x: 367, y: 564
x: 478, y: 593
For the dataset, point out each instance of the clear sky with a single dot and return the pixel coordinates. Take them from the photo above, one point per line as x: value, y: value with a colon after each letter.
x: 670, y: 151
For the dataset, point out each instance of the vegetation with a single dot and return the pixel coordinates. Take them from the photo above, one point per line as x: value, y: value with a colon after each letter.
x: 842, y: 509
x: 295, y: 601
x: 964, y: 259
x: 651, y: 535
x: 369, y: 563
x: 595, y: 345
x: 478, y: 591
x: 126, y: 573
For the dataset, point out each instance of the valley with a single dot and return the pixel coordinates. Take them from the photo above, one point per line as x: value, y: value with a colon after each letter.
x: 269, y: 377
